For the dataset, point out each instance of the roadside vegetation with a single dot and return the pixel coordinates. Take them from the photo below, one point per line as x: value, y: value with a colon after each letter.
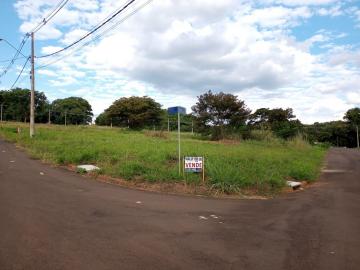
x: 135, y: 139
x: 262, y: 165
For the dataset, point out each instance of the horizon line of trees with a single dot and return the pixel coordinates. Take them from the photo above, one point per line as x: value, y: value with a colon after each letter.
x: 15, y: 104
x: 215, y: 116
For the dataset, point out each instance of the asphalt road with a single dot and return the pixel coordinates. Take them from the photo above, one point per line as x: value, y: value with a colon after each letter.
x: 51, y: 218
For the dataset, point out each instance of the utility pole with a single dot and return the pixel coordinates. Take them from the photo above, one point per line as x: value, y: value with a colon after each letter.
x: 1, y: 111
x: 168, y: 124
x: 32, y: 95
x: 49, y: 116
x: 192, y: 127
x: 65, y: 118
x: 357, y: 135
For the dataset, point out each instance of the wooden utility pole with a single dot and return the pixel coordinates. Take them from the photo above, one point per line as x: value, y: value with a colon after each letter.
x: 65, y: 118
x: 357, y: 135
x: 49, y: 116
x: 32, y: 95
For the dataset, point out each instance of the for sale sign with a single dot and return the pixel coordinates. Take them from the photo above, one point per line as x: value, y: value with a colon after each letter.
x: 193, y: 164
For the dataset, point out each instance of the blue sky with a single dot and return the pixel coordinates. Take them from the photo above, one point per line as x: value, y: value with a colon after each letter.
x: 283, y: 53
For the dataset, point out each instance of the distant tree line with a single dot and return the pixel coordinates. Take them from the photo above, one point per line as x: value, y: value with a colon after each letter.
x: 337, y: 133
x: 215, y: 116
x: 15, y: 106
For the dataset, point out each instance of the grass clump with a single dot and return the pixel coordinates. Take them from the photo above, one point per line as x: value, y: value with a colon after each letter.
x: 263, y: 165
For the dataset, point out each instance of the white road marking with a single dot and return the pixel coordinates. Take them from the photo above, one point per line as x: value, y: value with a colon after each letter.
x: 202, y: 217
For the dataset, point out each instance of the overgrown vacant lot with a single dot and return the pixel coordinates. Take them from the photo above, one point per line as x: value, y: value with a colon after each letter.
x: 148, y: 156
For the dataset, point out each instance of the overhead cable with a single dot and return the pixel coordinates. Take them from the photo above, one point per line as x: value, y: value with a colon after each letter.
x: 97, y: 36
x: 12, y: 46
x: 46, y: 19
x: 27, y: 60
x: 18, y: 51
x: 91, y: 32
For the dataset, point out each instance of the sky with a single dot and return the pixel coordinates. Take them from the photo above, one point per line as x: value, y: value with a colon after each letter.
x: 300, y: 54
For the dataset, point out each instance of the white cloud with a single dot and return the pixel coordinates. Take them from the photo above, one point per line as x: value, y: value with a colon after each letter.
x: 304, y: 2
x: 332, y: 11
x: 278, y: 16
x: 73, y: 35
x: 46, y: 72
x: 175, y: 50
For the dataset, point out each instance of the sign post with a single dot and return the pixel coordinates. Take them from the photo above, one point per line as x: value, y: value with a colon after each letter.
x: 173, y: 111
x: 179, y: 143
x: 195, y: 165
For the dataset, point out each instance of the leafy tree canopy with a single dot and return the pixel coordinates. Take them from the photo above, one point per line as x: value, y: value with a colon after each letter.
x: 280, y: 121
x: 353, y: 116
x: 215, y: 113
x: 16, y: 105
x: 270, y: 116
x: 337, y: 133
x: 76, y: 109
x: 135, y: 112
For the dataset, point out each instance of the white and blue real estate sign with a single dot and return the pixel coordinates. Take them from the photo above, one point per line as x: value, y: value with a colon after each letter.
x: 193, y: 164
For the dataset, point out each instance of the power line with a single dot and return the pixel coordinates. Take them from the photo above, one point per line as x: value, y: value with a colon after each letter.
x: 27, y: 60
x: 91, y: 32
x: 59, y: 6
x: 45, y: 20
x: 12, y: 46
x: 18, y: 51
x: 9, y: 60
x: 98, y: 36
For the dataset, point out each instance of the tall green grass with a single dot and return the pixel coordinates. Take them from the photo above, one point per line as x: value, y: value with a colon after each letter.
x: 145, y: 156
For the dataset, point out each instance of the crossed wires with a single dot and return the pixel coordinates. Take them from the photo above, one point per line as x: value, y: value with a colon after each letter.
x: 58, y: 7
x: 103, y: 33
x: 92, y: 31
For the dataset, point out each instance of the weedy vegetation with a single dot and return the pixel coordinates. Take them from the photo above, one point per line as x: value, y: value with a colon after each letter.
x: 262, y: 165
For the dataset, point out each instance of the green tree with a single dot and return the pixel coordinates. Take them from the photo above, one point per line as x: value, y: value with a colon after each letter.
x: 352, y: 116
x: 186, y: 122
x: 218, y: 114
x: 336, y: 133
x: 103, y: 120
x: 133, y: 112
x: 16, y: 105
x: 279, y: 121
x: 76, y: 110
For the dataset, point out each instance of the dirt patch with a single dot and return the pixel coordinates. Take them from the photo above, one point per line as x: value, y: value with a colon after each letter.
x: 229, y: 142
